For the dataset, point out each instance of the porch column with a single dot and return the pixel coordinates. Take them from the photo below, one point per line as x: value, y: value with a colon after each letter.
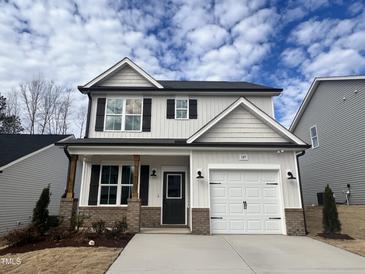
x: 134, y: 203
x: 136, y: 160
x: 70, y: 187
x: 68, y: 205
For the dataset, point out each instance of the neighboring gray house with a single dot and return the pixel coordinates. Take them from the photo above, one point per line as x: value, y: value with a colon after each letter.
x: 205, y: 155
x: 332, y: 119
x: 28, y: 163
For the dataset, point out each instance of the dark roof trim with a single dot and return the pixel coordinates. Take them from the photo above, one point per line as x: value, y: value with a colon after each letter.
x: 190, y: 90
x: 179, y: 143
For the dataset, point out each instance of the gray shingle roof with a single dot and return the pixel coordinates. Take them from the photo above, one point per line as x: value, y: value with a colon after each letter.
x: 15, y: 146
x: 211, y: 85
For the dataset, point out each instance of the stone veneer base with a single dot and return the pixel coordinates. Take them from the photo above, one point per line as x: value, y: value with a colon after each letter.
x: 200, y: 221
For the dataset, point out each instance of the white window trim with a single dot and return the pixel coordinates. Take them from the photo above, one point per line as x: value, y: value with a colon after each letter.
x: 167, y: 187
x: 119, y: 185
x: 315, y: 136
x: 187, y: 108
x: 124, y: 114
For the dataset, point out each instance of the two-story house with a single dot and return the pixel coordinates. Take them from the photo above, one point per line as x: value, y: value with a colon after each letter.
x: 204, y: 155
x: 332, y: 119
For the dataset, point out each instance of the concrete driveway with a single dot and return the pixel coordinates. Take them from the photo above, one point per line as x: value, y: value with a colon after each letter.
x: 159, y: 253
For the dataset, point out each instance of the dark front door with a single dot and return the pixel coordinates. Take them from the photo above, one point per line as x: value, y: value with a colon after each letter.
x: 173, y: 198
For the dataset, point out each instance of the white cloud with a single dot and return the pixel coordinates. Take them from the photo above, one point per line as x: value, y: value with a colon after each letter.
x: 293, y: 57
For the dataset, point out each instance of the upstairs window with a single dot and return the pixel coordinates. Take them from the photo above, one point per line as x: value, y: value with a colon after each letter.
x: 314, y: 136
x: 123, y: 114
x: 181, y: 109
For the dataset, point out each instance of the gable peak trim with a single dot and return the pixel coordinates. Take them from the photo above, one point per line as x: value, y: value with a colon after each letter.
x: 120, y: 65
x: 256, y: 111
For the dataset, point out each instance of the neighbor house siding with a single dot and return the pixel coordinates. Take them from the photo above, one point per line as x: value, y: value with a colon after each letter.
x: 202, y: 159
x: 208, y: 107
x: 241, y: 126
x: 340, y: 158
x: 126, y: 77
x: 22, y: 184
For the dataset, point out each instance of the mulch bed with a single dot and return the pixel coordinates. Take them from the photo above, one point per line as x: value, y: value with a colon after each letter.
x: 74, y: 240
x: 335, y: 236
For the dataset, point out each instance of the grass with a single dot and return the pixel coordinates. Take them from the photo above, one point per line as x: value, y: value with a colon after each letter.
x: 63, y: 260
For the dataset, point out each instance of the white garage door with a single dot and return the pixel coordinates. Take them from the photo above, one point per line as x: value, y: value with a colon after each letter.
x: 245, y: 202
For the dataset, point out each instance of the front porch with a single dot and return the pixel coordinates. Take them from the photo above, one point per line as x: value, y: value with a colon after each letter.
x: 150, y: 191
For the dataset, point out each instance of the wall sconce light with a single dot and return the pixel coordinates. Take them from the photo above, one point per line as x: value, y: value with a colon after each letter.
x: 199, y: 172
x: 153, y: 173
x: 290, y: 175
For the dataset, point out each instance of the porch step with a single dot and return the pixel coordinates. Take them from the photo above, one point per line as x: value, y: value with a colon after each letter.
x: 166, y: 230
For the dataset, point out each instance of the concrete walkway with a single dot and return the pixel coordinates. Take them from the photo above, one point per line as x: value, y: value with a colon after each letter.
x: 159, y: 253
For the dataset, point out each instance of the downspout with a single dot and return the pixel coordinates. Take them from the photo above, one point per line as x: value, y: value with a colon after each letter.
x: 68, y: 169
x: 300, y: 187
x: 88, y: 116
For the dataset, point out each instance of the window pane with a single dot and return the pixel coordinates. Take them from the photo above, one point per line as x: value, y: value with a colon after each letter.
x: 109, y: 175
x: 182, y: 114
x: 315, y: 142
x: 114, y: 106
x: 313, y: 131
x: 127, y: 174
x: 132, y: 122
x: 113, y: 123
x: 134, y: 106
x: 181, y: 103
x: 108, y: 195
x: 173, y: 186
x: 126, y: 194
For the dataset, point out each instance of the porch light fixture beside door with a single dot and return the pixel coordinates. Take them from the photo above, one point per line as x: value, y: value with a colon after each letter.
x: 199, y: 173
x: 153, y: 172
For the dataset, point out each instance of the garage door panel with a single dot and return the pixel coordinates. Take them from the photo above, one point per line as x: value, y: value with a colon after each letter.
x: 219, y: 192
x: 237, y: 187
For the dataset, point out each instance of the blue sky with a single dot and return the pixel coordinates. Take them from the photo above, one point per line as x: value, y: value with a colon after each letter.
x: 278, y: 43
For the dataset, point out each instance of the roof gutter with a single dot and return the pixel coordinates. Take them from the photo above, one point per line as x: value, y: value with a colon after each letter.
x: 301, y: 190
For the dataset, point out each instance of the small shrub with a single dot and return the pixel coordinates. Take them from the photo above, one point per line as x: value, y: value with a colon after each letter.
x: 23, y: 236
x: 53, y: 221
x: 40, y: 212
x: 331, y: 223
x: 119, y: 228
x: 99, y: 226
x: 59, y: 233
x: 78, y: 220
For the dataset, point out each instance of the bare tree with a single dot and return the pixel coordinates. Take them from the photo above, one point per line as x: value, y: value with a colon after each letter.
x: 49, y: 101
x: 13, y: 104
x: 31, y: 93
x: 81, y: 119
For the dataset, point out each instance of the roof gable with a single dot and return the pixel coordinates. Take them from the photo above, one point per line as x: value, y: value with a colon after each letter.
x: 241, y: 126
x: 252, y: 112
x: 125, y: 73
x: 16, y: 147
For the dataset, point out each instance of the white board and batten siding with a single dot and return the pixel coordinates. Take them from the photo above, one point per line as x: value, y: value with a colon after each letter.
x: 206, y: 161
x: 161, y: 127
x: 241, y: 126
x: 126, y: 77
x: 22, y: 183
x: 160, y: 163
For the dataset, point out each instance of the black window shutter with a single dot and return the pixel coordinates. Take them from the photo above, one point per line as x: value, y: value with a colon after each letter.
x: 193, y: 109
x: 170, y: 111
x: 144, y: 184
x: 100, y: 111
x: 146, y: 120
x: 94, y: 185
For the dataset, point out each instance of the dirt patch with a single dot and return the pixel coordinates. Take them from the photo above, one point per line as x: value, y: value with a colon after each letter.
x: 63, y: 260
x: 335, y: 236
x: 356, y: 246
x: 74, y: 240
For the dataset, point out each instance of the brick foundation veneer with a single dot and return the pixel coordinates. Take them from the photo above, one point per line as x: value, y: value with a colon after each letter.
x: 294, y: 222
x: 200, y: 221
x: 108, y: 214
x: 134, y: 215
x: 68, y: 207
x: 150, y: 217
